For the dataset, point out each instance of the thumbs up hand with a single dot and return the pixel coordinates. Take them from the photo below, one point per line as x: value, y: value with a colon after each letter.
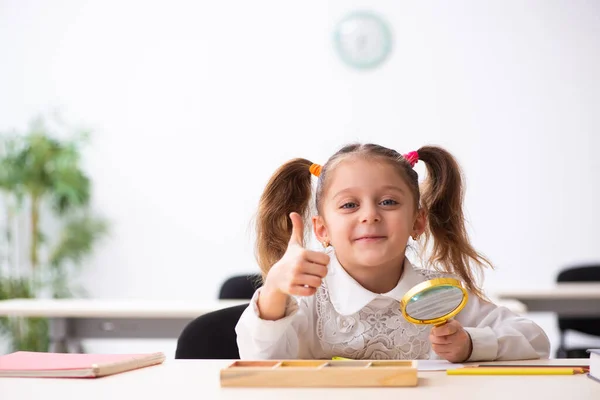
x: 300, y: 271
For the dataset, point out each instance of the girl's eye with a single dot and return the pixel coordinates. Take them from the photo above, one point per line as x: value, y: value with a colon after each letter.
x: 348, y: 205
x: 389, y: 202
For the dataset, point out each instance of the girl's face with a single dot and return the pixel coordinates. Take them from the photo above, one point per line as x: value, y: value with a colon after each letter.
x: 368, y: 214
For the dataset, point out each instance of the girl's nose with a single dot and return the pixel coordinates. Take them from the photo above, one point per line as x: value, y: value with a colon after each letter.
x: 370, y: 214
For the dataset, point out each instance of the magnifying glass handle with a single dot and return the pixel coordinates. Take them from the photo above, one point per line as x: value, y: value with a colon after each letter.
x: 440, y: 323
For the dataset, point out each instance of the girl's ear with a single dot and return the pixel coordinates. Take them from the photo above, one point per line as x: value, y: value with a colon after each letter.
x: 420, y: 222
x: 320, y: 229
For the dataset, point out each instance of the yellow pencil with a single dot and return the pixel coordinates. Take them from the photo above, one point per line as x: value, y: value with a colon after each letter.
x: 514, y: 371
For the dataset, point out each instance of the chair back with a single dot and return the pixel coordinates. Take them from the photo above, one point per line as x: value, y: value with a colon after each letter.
x: 590, y: 326
x: 211, y: 336
x: 240, y: 287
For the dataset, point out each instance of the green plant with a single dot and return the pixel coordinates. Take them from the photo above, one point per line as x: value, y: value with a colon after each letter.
x: 48, y: 227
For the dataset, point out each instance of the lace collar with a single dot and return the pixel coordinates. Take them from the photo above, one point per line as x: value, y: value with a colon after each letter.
x: 348, y: 296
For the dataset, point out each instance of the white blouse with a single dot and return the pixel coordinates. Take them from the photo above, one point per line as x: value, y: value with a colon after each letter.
x: 345, y: 319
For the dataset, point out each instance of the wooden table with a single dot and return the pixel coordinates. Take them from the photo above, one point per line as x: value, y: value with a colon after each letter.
x: 199, y: 379
x: 566, y: 299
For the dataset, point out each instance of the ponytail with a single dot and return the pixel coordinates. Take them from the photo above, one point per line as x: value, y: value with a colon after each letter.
x: 288, y: 190
x: 442, y: 196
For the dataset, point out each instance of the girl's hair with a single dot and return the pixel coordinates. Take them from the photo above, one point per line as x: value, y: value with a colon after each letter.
x: 289, y: 189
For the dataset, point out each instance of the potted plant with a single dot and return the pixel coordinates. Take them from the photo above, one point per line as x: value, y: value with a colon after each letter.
x: 47, y: 228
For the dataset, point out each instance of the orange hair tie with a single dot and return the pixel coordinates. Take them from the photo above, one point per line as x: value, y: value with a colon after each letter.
x: 315, y: 169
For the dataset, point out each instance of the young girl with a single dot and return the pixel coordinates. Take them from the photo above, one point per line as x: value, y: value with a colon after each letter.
x: 345, y: 301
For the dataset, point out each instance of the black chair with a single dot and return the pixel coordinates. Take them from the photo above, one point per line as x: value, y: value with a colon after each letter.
x: 240, y: 287
x: 590, y: 326
x: 211, y: 336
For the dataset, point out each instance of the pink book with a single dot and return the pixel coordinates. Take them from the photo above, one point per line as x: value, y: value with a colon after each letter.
x: 70, y: 365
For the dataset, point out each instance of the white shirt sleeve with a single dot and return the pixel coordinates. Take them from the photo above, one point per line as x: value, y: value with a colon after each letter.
x: 260, y: 339
x: 499, y: 334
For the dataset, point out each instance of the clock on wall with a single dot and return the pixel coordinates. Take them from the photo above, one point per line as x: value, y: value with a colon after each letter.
x: 362, y: 40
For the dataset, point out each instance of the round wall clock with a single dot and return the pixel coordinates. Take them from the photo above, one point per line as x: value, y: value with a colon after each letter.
x: 362, y: 40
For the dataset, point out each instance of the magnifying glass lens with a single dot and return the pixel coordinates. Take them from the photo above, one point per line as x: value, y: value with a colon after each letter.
x: 434, y: 302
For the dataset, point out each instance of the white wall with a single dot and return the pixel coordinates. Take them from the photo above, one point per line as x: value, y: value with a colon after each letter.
x: 194, y: 104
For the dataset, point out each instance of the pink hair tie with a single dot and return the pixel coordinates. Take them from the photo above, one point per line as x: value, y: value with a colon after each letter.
x: 412, y: 158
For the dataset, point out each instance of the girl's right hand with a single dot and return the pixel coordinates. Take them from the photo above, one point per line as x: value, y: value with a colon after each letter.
x: 300, y: 271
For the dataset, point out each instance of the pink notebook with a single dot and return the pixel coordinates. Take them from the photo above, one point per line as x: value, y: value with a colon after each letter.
x: 70, y: 365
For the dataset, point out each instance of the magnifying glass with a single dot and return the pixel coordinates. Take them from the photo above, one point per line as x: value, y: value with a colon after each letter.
x: 434, y: 301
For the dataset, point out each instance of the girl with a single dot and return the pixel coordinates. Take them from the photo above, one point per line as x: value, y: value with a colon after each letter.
x: 345, y: 301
